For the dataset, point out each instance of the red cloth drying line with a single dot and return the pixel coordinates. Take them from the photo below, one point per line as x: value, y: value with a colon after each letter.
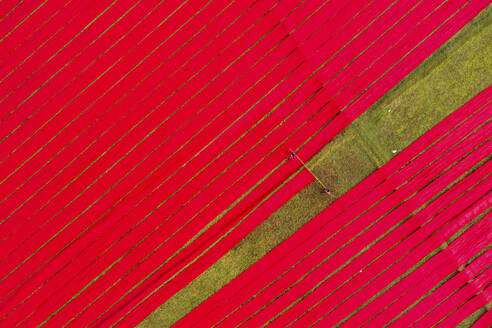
x: 361, y: 273
x: 484, y: 95
x: 188, y: 211
x: 400, y: 289
x: 25, y: 79
x: 83, y: 118
x: 14, y: 15
x: 340, y: 314
x: 438, y: 295
x: 333, y: 263
x: 256, y: 217
x: 457, y: 301
x: 414, y: 291
x: 104, y: 73
x: 155, y: 296
x: 442, y: 291
x: 50, y: 15
x: 171, y: 148
x: 465, y: 310
x: 437, y: 147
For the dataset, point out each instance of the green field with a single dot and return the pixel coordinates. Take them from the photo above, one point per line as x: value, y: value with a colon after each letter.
x: 445, y: 81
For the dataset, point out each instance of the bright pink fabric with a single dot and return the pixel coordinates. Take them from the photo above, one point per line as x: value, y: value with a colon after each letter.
x: 268, y: 271
x: 130, y: 125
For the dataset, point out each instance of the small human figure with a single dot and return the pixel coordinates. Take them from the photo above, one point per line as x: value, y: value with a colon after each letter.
x: 292, y: 155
